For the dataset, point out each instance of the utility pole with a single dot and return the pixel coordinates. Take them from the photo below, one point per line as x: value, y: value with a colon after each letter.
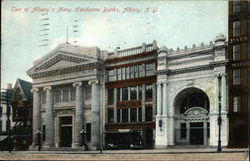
x: 219, y: 117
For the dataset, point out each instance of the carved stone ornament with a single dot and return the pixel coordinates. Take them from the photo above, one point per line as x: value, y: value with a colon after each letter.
x: 196, y: 113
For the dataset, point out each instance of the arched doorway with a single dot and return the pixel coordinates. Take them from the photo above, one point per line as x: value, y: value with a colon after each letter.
x: 191, y: 117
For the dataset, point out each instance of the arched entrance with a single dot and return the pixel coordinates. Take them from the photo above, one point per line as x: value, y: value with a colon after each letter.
x: 191, y: 117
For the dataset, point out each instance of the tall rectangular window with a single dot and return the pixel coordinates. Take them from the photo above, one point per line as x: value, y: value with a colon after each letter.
x: 87, y: 93
x: 65, y: 95
x: 248, y: 73
x: 123, y: 73
x: 149, y: 92
x: 119, y: 74
x: 139, y: 114
x: 111, y: 75
x: 148, y: 114
x: 1, y: 111
x: 141, y: 70
x: 57, y: 96
x: 236, y: 28
x: 88, y: 132
x: 1, y: 125
x: 133, y: 93
x: 248, y: 26
x: 183, y: 130
x: 118, y: 115
x: 248, y: 50
x: 43, y: 98
x: 236, y: 104
x: 118, y: 94
x: 236, y: 77
x: 125, y: 94
x: 124, y: 115
x: 132, y: 74
x: 127, y: 73
x: 72, y: 94
x: 44, y: 133
x: 236, y: 6
x: 110, y: 95
x: 110, y: 115
x: 236, y: 52
x: 136, y: 71
x: 150, y: 68
x: 140, y: 92
x: 133, y: 114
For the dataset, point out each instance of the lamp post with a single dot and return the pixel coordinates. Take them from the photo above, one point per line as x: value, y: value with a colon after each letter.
x: 39, y: 133
x: 219, y: 117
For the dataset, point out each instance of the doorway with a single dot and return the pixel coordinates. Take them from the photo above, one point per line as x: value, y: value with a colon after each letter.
x: 65, y: 131
x: 196, y: 133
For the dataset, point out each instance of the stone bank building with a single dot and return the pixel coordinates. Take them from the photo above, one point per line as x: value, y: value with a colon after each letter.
x: 141, y: 97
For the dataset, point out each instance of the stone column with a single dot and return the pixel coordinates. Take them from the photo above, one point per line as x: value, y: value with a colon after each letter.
x: 223, y: 93
x: 95, y: 114
x: 165, y: 99
x: 216, y: 86
x: 78, y: 114
x: 159, y: 101
x: 36, y: 122
x: 205, y: 132
x: 49, y: 118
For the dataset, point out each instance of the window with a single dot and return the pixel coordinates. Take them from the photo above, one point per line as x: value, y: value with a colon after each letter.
x: 110, y: 115
x: 87, y: 93
x: 139, y: 114
x: 132, y: 74
x: 133, y: 93
x: 236, y: 104
x: 236, y: 52
x: 1, y: 125
x: 248, y: 75
x: 110, y: 95
x: 183, y: 130
x: 140, y: 92
x: 123, y: 73
x: 119, y: 74
x: 57, y: 96
x: 125, y: 94
x: 248, y: 51
x: 236, y: 28
x: 111, y: 75
x: 149, y: 92
x: 141, y: 70
x: 66, y: 95
x: 72, y: 94
x: 88, y: 132
x: 118, y: 95
x: 43, y: 98
x: 127, y: 73
x: 124, y: 115
x: 236, y: 77
x: 150, y: 69
x: 208, y: 129
x: 1, y: 111
x: 118, y: 114
x: 248, y: 26
x: 148, y: 114
x: 136, y: 71
x: 133, y: 114
x: 236, y: 6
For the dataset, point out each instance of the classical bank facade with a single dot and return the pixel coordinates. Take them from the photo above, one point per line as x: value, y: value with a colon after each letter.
x: 160, y: 96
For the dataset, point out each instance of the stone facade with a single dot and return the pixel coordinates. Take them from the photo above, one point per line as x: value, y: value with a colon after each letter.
x: 63, y: 81
x: 187, y: 72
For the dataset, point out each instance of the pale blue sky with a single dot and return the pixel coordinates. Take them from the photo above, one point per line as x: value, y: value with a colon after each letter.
x: 175, y: 24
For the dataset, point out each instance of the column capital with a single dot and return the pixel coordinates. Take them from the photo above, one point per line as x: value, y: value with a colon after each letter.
x: 77, y: 84
x: 165, y: 82
x: 34, y: 89
x: 47, y: 88
x: 93, y: 82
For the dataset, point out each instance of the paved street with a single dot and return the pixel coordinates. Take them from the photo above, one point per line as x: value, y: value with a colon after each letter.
x: 132, y: 155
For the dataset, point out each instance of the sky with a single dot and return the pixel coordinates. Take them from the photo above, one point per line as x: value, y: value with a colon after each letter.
x: 127, y: 24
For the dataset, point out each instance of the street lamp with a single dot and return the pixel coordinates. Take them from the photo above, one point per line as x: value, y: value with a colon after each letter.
x: 39, y: 133
x: 219, y: 117
x: 83, y: 133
